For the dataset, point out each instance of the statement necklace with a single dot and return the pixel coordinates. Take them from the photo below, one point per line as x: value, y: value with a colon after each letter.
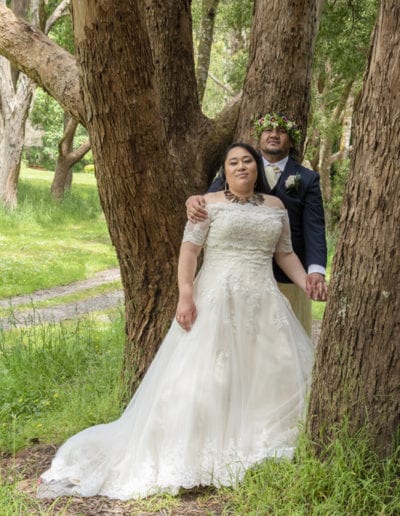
x: 256, y: 199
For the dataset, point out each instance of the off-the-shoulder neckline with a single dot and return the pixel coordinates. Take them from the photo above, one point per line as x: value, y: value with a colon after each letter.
x: 222, y: 203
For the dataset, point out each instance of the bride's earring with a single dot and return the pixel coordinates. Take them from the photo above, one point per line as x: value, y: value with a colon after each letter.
x: 226, y: 189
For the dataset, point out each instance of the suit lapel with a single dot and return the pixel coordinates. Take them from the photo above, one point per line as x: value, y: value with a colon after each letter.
x: 290, y: 169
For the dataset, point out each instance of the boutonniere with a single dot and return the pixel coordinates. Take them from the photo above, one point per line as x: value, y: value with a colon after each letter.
x: 293, y: 182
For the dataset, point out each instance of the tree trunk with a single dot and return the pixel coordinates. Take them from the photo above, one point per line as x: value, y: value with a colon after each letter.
x: 357, y: 371
x: 209, y: 11
x: 67, y: 157
x: 279, y: 70
x: 14, y: 112
x: 345, y: 140
x: 145, y: 151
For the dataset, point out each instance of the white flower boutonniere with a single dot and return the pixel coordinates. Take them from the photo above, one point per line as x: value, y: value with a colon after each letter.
x: 293, y: 182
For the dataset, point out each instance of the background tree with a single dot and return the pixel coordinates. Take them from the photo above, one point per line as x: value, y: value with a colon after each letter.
x: 341, y: 55
x: 209, y: 12
x: 357, y: 373
x: 16, y: 93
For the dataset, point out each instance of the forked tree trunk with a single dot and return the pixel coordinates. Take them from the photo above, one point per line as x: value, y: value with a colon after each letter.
x: 67, y: 157
x: 327, y: 141
x: 357, y: 372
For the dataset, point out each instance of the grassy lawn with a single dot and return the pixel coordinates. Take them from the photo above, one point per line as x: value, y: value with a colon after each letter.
x: 46, y: 243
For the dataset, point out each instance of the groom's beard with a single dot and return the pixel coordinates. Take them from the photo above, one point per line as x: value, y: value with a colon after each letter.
x: 276, y: 152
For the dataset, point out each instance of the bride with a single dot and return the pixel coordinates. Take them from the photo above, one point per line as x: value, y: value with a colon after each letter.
x: 226, y: 389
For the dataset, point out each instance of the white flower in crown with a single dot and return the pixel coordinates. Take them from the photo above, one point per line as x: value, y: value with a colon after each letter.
x: 293, y: 182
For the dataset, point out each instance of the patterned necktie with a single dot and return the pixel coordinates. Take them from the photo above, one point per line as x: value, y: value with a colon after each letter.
x: 272, y: 174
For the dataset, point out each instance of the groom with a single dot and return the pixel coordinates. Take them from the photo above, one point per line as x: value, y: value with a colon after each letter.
x: 299, y: 190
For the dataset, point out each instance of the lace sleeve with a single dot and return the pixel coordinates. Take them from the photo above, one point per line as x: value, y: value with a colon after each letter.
x: 196, y: 233
x: 284, y: 244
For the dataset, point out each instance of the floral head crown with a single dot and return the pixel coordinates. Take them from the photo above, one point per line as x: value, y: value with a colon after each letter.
x: 276, y: 120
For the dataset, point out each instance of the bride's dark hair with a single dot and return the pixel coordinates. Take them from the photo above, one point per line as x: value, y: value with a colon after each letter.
x: 261, y: 183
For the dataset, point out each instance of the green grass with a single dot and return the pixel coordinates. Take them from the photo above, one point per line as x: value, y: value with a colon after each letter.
x: 351, y: 481
x: 46, y: 243
x: 57, y: 379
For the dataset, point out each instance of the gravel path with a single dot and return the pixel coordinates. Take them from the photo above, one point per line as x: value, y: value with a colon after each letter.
x: 62, y: 311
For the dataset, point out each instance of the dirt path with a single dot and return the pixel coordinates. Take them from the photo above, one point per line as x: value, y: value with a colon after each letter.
x: 62, y: 311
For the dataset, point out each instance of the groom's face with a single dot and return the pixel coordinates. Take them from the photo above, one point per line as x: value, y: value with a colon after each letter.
x: 275, y: 141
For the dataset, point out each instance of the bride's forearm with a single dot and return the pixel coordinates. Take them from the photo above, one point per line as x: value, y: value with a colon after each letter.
x: 187, y: 265
x: 293, y: 268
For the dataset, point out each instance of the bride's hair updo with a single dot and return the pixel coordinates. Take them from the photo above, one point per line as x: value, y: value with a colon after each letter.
x: 261, y: 185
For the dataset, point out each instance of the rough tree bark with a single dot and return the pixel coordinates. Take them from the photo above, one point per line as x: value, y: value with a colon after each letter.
x: 357, y: 372
x: 279, y: 70
x: 67, y: 157
x: 209, y: 11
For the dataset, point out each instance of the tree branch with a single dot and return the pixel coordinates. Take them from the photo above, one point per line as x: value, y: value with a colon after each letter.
x: 46, y: 63
x: 61, y: 10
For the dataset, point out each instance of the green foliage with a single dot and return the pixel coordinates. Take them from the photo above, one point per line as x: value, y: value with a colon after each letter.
x: 344, y: 37
x: 340, y: 172
x: 89, y: 169
x: 47, y: 114
x: 62, y: 31
x: 47, y: 243
x: 57, y: 379
x: 229, y: 53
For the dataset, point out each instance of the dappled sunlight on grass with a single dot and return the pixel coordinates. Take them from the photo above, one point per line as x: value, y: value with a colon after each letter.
x: 46, y: 243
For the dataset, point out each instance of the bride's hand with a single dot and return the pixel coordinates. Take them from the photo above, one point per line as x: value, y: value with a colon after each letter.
x: 186, y: 314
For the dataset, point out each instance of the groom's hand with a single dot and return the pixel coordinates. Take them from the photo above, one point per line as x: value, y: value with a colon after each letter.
x: 195, y: 209
x: 316, y: 286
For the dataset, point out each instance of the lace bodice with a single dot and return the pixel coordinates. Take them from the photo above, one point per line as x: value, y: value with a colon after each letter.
x: 241, y: 229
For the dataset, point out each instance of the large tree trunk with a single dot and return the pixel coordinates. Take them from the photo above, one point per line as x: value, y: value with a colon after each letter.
x: 145, y: 142
x: 279, y: 71
x: 67, y: 157
x: 357, y: 372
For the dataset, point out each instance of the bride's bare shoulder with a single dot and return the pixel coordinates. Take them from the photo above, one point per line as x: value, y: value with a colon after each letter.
x: 273, y: 201
x: 214, y: 197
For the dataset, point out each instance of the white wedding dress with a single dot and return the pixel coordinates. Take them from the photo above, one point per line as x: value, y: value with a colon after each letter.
x: 218, y: 399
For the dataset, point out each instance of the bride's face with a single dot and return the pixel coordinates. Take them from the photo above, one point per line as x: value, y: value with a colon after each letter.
x: 240, y: 168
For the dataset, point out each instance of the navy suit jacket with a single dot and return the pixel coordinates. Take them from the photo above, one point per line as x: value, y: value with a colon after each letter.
x: 306, y: 215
